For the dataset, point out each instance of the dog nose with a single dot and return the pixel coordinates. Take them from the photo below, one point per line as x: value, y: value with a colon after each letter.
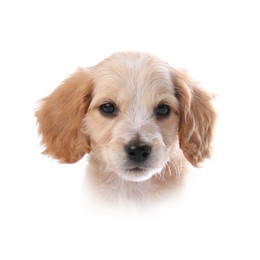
x: 138, y: 152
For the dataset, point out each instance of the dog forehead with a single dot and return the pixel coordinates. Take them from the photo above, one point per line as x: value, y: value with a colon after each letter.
x: 133, y: 75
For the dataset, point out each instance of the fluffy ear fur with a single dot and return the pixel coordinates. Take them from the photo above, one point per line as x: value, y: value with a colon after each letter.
x: 60, y: 118
x: 197, y: 118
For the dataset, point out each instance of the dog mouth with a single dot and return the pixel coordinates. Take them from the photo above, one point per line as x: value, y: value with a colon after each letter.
x: 136, y: 174
x: 139, y: 171
x: 136, y: 169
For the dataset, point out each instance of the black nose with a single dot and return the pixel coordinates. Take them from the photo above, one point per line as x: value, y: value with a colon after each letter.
x: 138, y: 152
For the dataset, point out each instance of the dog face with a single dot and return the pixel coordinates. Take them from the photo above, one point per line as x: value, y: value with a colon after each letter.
x: 129, y: 111
x: 132, y: 119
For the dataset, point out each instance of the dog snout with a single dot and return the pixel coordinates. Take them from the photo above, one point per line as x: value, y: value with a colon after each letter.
x: 138, y: 152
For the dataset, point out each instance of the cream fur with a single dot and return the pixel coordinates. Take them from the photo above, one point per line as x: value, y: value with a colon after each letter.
x: 71, y: 124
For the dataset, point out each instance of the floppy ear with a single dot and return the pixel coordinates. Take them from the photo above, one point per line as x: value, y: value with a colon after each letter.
x: 60, y: 118
x: 197, y: 118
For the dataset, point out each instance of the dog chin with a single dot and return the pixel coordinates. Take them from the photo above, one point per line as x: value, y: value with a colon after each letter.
x: 137, y: 174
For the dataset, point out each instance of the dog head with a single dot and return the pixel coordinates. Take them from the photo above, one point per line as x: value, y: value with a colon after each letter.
x: 129, y: 112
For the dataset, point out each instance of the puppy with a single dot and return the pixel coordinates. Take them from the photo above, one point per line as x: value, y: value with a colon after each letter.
x: 139, y: 120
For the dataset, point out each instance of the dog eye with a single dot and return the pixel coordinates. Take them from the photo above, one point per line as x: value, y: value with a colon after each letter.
x: 162, y: 110
x: 108, y: 109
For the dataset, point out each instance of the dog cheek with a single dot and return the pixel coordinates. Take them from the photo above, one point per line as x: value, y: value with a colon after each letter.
x: 97, y: 128
x: 169, y: 130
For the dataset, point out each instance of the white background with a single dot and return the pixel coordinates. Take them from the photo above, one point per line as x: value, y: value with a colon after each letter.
x: 45, y: 208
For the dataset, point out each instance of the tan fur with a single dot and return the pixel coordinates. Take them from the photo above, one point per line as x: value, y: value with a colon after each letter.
x: 197, y: 118
x: 60, y: 119
x: 72, y: 125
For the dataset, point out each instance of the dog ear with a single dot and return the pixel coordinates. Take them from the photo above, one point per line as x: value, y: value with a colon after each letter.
x: 60, y: 118
x: 197, y: 118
